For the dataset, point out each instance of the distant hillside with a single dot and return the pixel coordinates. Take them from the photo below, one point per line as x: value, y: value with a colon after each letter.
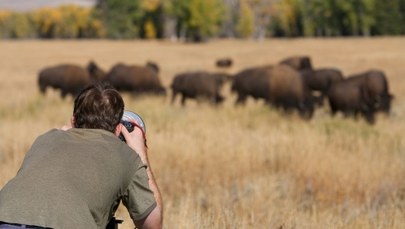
x: 27, y: 5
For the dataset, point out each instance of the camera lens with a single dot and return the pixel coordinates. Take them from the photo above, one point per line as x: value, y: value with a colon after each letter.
x: 128, y: 119
x: 134, y: 117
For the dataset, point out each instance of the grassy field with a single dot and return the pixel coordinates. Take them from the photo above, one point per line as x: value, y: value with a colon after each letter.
x: 234, y: 167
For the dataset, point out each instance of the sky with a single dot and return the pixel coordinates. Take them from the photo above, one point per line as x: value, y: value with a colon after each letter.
x: 27, y: 5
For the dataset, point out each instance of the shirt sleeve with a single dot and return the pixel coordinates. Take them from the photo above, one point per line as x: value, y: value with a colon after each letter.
x: 139, y: 199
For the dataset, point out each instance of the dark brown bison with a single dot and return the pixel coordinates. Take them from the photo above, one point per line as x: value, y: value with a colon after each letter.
x: 134, y: 78
x: 320, y: 79
x: 376, y: 87
x: 199, y: 84
x: 279, y: 85
x: 68, y: 78
x: 288, y: 91
x: 350, y: 99
x: 251, y: 82
x: 224, y: 63
x: 298, y: 62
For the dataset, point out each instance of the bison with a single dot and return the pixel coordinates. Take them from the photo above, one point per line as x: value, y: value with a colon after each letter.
x: 320, y: 80
x: 376, y: 87
x: 134, y: 78
x: 252, y: 82
x: 288, y: 91
x: 350, y: 99
x: 224, y: 63
x: 298, y: 62
x: 199, y: 84
x: 69, y: 78
x: 279, y: 85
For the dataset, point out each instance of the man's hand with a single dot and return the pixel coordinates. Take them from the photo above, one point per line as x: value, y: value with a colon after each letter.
x: 136, y: 141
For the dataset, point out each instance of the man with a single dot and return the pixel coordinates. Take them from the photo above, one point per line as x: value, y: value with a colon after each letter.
x: 76, y: 177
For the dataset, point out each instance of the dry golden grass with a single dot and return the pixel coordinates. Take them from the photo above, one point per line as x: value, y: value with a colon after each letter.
x: 234, y: 167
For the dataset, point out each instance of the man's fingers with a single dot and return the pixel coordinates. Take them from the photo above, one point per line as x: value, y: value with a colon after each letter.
x: 136, y: 132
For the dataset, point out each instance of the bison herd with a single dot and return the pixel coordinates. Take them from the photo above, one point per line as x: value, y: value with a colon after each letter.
x: 290, y: 85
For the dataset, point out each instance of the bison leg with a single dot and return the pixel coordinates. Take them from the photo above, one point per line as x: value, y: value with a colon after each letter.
x: 386, y: 104
x: 219, y: 99
x: 319, y: 100
x: 305, y: 111
x: 369, y: 116
x: 241, y: 99
x: 174, y: 94
x: 183, y: 100
x: 333, y: 108
x: 42, y: 89
x: 63, y: 94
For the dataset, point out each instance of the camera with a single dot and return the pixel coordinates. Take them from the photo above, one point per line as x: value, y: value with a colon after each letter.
x: 131, y: 120
x: 113, y: 224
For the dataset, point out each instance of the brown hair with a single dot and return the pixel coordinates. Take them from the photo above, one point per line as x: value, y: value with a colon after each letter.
x: 98, y: 106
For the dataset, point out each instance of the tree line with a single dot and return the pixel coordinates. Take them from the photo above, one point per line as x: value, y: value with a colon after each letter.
x: 197, y: 20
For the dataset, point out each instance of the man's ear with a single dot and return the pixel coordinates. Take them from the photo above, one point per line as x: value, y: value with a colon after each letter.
x: 118, y: 130
x: 72, y: 121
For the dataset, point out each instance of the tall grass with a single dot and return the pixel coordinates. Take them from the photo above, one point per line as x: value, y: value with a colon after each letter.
x: 234, y: 167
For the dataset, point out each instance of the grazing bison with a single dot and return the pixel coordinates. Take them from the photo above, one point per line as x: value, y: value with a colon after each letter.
x: 68, y: 78
x: 351, y: 99
x: 224, y: 63
x: 320, y: 79
x: 376, y: 87
x: 298, y: 62
x: 199, y: 84
x: 133, y: 78
x: 252, y: 82
x: 288, y: 91
x: 279, y: 85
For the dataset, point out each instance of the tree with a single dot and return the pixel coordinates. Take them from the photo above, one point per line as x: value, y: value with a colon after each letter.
x: 245, y: 26
x: 262, y: 10
x: 389, y: 18
x: 287, y: 21
x: 231, y: 18
x: 152, y: 21
x: 46, y: 22
x: 196, y: 19
x: 120, y: 17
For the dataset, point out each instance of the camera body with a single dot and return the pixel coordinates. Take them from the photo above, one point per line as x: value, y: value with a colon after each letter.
x: 131, y: 120
x: 113, y: 224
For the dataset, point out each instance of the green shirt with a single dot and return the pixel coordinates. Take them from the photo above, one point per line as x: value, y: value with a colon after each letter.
x: 76, y: 179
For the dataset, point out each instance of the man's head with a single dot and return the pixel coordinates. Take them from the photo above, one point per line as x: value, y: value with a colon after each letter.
x: 98, y: 106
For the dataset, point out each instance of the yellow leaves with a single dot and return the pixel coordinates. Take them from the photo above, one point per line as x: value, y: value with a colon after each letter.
x: 68, y: 21
x: 45, y: 19
x: 151, y: 5
x: 150, y: 31
x: 245, y: 25
x: 4, y: 15
x: 286, y: 12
